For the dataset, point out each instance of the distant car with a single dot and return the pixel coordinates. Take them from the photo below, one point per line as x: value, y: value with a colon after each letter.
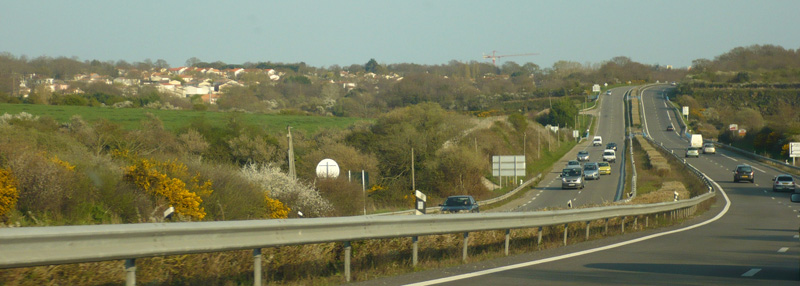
x: 670, y: 128
x: 604, y: 168
x: 612, y: 146
x: 573, y: 163
x: 673, y: 83
x: 783, y: 182
x: 708, y: 148
x: 609, y: 156
x: 591, y: 171
x: 583, y: 156
x: 743, y: 173
x: 608, y: 92
x: 572, y: 178
x: 597, y: 141
x: 692, y: 152
x: 460, y: 204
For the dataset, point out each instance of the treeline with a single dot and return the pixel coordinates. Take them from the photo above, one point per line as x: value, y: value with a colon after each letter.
x: 363, y: 90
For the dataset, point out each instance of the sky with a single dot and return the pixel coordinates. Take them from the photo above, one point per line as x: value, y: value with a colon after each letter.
x: 429, y: 32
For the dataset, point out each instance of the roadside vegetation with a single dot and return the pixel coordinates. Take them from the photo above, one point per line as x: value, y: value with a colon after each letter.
x: 115, y: 154
x: 753, y: 87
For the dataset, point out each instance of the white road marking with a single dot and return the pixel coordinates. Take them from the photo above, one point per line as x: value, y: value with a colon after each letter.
x: 783, y: 249
x: 757, y: 169
x: 588, y: 251
x: 751, y: 272
x: 729, y: 157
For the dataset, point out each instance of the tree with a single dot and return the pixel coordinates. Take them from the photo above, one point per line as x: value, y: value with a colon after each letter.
x: 519, y: 121
x: 373, y: 67
x: 563, y: 113
x: 193, y: 61
x: 162, y: 64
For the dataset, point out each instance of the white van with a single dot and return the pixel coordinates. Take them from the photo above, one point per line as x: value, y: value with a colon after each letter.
x: 609, y: 156
x: 696, y: 141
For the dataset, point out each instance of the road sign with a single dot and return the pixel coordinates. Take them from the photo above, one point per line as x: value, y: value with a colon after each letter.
x: 506, y: 166
x: 733, y: 127
x: 685, y: 111
x: 596, y: 88
x: 794, y: 149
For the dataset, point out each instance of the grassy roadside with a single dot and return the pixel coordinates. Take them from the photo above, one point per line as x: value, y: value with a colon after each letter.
x: 131, y: 118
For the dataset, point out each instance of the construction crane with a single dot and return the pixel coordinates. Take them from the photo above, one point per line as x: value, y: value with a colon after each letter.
x: 494, y: 56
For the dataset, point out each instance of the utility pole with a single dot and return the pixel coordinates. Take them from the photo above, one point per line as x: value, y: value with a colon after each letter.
x: 292, y: 173
x: 413, y: 183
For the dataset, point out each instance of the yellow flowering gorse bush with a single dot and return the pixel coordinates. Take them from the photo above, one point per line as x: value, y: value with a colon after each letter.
x: 8, y: 192
x: 162, y: 179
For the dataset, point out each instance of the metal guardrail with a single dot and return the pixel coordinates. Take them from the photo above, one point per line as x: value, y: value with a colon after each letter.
x: 35, y: 246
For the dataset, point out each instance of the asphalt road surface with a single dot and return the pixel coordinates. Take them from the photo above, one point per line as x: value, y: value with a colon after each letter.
x: 548, y: 193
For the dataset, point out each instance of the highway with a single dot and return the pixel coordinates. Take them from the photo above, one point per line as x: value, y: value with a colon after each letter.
x: 548, y: 193
x: 749, y: 237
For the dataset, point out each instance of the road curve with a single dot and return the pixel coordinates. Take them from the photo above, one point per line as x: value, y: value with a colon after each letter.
x: 749, y: 237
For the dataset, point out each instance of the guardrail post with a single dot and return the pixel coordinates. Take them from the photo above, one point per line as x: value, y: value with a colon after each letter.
x: 466, y: 247
x: 414, y: 250
x: 539, y: 242
x: 347, y: 250
x: 646, y: 221
x: 508, y: 238
x: 623, y: 224
x: 257, y: 267
x: 587, y: 229
x: 130, y: 272
x: 566, y: 228
x: 605, y: 230
x: 636, y: 222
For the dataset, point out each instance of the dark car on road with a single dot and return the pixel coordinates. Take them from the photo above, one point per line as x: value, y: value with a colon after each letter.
x: 670, y: 128
x: 460, y: 204
x: 583, y: 156
x: 612, y: 146
x: 743, y: 173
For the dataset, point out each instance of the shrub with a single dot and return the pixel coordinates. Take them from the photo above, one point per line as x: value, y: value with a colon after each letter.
x: 290, y: 191
x: 8, y: 192
x: 146, y: 175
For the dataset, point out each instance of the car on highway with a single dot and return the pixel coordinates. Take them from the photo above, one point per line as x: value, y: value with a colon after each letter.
x: 460, y: 204
x: 608, y: 92
x: 583, y: 155
x: 670, y: 128
x: 783, y: 182
x: 573, y: 163
x: 612, y: 146
x: 572, y: 178
x: 604, y: 168
x: 597, y: 141
x: 743, y: 173
x: 591, y: 171
x: 692, y: 152
x: 609, y: 156
x: 708, y: 148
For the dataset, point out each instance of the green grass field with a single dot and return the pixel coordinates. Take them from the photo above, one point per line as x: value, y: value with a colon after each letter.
x: 131, y: 118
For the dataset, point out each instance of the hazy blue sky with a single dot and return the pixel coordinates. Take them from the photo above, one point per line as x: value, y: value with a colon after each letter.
x: 324, y: 33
